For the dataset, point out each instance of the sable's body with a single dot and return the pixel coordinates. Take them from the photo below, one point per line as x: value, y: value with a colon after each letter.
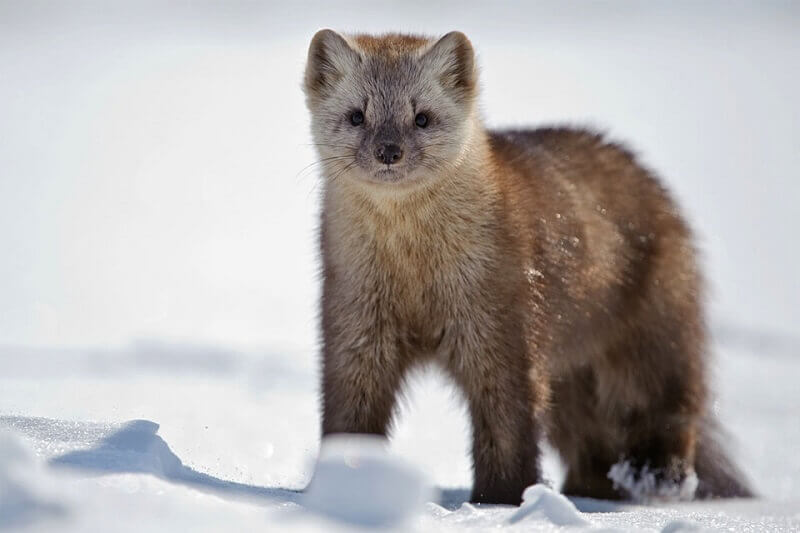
x: 545, y: 271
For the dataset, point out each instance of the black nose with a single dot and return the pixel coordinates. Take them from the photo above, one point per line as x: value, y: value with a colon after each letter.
x: 389, y: 153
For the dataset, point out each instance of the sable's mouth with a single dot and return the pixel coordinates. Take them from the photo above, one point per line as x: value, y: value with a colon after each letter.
x: 388, y: 175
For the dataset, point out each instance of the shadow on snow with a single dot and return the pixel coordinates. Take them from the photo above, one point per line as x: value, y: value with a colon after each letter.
x: 136, y: 447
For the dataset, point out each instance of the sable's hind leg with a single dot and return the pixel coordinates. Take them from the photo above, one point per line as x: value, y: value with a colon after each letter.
x: 649, y: 454
x: 581, y: 437
x: 659, y: 459
x: 591, y: 481
x: 652, y: 380
x: 638, y: 406
x: 645, y: 388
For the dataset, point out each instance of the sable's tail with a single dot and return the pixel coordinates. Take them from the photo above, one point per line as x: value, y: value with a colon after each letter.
x: 717, y: 475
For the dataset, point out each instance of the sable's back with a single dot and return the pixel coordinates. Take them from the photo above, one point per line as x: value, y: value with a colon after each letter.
x: 603, y: 227
x: 600, y: 175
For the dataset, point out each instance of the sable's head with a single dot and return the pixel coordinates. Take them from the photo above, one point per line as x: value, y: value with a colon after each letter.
x: 390, y: 109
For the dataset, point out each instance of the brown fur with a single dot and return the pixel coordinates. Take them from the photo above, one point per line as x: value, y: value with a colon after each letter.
x: 545, y: 270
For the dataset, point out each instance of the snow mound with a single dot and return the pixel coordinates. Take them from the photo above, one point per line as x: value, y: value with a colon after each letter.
x: 356, y: 480
x: 22, y: 499
x: 681, y: 526
x: 135, y: 447
x: 542, y: 503
x: 644, y: 486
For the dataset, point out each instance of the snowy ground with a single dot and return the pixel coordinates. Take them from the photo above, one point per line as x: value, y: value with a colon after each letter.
x: 153, y: 187
x: 164, y: 444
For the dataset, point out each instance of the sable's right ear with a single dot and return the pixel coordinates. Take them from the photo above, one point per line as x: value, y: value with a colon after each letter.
x: 329, y: 57
x: 453, y: 59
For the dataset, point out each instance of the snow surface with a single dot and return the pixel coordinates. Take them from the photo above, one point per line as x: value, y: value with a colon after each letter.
x: 542, y: 503
x: 160, y: 448
x: 158, y: 280
x: 357, y: 480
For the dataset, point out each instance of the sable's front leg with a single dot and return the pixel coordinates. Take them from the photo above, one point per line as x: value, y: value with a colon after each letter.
x: 505, y: 447
x: 501, y: 396
x: 359, y: 387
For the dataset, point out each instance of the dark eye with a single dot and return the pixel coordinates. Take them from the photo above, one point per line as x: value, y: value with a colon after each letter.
x: 356, y: 118
x: 421, y: 120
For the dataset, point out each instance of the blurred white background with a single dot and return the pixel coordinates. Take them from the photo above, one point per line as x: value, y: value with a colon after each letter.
x: 152, y: 154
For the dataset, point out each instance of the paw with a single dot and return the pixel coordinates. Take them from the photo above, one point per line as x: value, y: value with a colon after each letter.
x: 675, y: 482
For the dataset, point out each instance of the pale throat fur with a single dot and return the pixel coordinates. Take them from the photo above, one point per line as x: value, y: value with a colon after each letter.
x: 421, y: 252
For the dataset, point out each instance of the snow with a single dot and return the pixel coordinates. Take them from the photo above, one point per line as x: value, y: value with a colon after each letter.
x: 158, y: 335
x: 21, y: 500
x: 356, y: 480
x: 213, y: 450
x: 679, y: 526
x: 544, y: 504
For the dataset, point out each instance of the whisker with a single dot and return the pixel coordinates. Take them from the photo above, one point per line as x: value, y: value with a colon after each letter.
x: 345, y: 146
x: 344, y: 170
x: 310, y: 166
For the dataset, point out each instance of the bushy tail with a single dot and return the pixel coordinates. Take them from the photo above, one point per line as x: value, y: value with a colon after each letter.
x: 718, y: 476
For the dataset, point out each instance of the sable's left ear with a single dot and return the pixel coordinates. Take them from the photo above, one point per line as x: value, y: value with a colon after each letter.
x: 329, y: 58
x: 453, y: 58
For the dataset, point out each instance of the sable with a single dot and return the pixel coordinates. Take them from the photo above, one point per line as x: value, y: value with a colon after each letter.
x: 546, y: 271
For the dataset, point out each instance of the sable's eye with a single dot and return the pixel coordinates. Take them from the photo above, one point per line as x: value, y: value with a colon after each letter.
x: 421, y: 120
x: 357, y: 118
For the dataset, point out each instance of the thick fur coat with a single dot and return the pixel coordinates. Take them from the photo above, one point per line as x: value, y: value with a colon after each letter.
x: 546, y: 271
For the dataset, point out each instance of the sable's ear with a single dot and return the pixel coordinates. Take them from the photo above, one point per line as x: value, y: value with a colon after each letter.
x: 453, y: 58
x: 329, y: 57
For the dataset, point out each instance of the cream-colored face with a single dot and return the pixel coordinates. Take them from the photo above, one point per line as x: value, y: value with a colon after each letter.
x: 390, y: 110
